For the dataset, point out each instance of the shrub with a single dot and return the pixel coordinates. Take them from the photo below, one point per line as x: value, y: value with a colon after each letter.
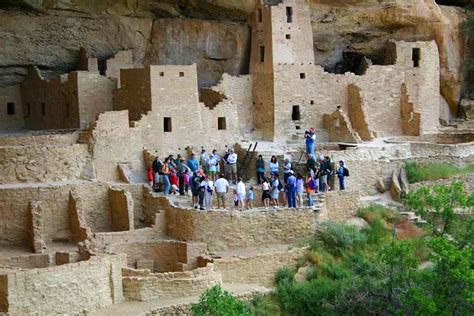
x: 337, y: 238
x: 264, y: 305
x: 377, y: 211
x: 285, y: 275
x: 216, y: 302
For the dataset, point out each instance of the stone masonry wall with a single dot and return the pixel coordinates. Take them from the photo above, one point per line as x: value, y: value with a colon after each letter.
x: 67, y: 289
x: 259, y: 269
x: 11, y: 121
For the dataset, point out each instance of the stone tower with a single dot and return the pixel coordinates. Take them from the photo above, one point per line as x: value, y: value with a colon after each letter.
x: 282, y: 65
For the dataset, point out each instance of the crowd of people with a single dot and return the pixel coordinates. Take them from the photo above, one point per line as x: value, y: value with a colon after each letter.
x: 203, y: 178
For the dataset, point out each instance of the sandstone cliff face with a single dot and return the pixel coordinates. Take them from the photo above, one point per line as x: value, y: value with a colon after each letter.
x: 215, y: 34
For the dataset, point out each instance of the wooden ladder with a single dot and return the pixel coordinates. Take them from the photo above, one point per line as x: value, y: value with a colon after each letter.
x: 247, y: 159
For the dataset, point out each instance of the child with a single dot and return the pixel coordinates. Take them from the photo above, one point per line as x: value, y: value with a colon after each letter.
x: 186, y: 181
x: 236, y: 199
x: 250, y: 197
x: 208, y: 193
x: 151, y: 176
x: 310, y: 187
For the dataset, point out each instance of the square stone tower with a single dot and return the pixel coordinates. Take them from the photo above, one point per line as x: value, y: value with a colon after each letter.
x: 282, y: 65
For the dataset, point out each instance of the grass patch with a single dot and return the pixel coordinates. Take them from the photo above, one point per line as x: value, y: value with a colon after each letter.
x: 434, y: 171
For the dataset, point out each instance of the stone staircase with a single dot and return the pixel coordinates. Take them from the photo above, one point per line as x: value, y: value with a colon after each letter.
x: 412, y: 217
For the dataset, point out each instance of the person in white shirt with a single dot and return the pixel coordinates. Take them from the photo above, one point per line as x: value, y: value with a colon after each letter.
x: 232, y: 160
x: 208, y: 192
x: 222, y: 187
x: 240, y: 189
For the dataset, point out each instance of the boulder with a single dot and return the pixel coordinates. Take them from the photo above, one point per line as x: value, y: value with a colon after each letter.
x: 357, y: 223
x: 381, y: 186
x: 302, y: 274
x: 395, y: 189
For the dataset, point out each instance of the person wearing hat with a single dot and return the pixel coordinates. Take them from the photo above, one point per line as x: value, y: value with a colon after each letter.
x: 310, y: 139
x: 291, y: 190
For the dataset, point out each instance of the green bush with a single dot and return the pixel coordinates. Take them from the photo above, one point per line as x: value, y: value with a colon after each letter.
x: 377, y: 211
x: 285, y: 275
x: 434, y: 171
x: 337, y: 238
x: 216, y: 302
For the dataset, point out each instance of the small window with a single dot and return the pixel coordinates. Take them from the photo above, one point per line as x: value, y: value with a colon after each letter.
x: 416, y: 56
x: 295, y: 113
x: 67, y: 110
x: 262, y: 54
x: 167, y: 124
x: 221, y: 123
x: 181, y: 74
x: 288, y: 36
x: 28, y: 109
x: 43, y: 109
x: 259, y: 16
x: 10, y: 108
x: 162, y: 74
x: 289, y: 14
x: 311, y: 102
x: 302, y: 75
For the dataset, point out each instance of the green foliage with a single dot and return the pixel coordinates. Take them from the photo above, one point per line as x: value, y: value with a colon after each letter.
x: 264, y: 305
x: 215, y: 302
x: 371, y: 272
x: 337, y: 238
x: 285, y: 275
x: 434, y: 171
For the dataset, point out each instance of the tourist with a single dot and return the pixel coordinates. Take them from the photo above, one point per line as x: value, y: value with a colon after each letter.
x: 250, y: 198
x: 310, y: 188
x: 171, y: 163
x: 195, y: 183
x: 209, y: 184
x: 291, y: 190
x: 275, y: 189
x: 260, y: 166
x: 274, y: 166
x: 157, y: 171
x: 240, y: 189
x: 327, y: 171
x: 342, y: 172
x: 212, y: 165
x: 311, y: 164
x: 193, y: 163
x: 182, y: 168
x: 286, y: 169
x: 226, y: 163
x: 222, y: 187
x: 174, y: 181
x: 165, y: 170
x: 151, y: 177
x: 266, y: 193
x: 235, y: 198
x: 217, y: 157
x: 204, y: 161
x: 186, y: 179
x: 201, y: 192
x: 232, y: 160
x: 300, y: 190
x: 310, y: 138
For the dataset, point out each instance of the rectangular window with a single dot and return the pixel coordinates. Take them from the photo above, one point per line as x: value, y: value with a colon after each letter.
x: 416, y: 56
x: 259, y: 16
x: 221, y: 123
x: 167, y: 124
x: 43, y: 109
x: 162, y: 74
x: 181, y: 74
x: 302, y: 75
x: 311, y: 102
x: 10, y: 108
x: 262, y: 54
x: 289, y: 14
x: 28, y: 109
x: 67, y: 110
x: 288, y: 36
x: 295, y: 113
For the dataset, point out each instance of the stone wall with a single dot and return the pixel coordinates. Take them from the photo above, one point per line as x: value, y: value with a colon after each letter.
x: 142, y: 285
x: 67, y: 289
x: 11, y: 120
x: 234, y: 229
x: 44, y: 163
x: 258, y: 269
x: 121, y: 209
x: 340, y: 206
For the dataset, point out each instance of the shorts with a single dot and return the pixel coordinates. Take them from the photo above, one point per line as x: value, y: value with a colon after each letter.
x: 212, y: 172
x: 275, y: 194
x: 226, y: 168
x: 266, y: 195
x: 241, y: 197
x: 324, y: 179
x: 232, y: 168
x: 221, y: 197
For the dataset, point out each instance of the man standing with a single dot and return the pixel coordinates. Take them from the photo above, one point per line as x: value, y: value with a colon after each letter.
x: 260, y: 166
x: 232, y: 160
x: 222, y: 187
x: 341, y: 173
x: 182, y: 167
x: 205, y: 161
x: 286, y: 169
x: 291, y: 190
x: 156, y: 165
x: 193, y: 163
x: 241, y: 193
x: 310, y: 139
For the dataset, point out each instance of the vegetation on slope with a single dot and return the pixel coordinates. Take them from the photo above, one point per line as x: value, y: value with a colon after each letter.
x: 434, y: 171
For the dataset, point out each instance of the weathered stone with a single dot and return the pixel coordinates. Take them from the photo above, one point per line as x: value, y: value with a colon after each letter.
x: 302, y: 274
x: 381, y: 186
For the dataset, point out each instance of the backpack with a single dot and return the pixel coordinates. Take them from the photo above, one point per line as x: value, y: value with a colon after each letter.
x: 312, y: 184
x: 346, y: 172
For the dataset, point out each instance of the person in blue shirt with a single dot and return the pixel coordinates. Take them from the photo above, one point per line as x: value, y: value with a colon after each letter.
x: 341, y: 174
x: 250, y: 197
x: 291, y: 190
x: 193, y: 163
x: 310, y: 139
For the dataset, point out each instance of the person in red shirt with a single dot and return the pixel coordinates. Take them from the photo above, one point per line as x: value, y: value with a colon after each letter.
x: 151, y: 176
